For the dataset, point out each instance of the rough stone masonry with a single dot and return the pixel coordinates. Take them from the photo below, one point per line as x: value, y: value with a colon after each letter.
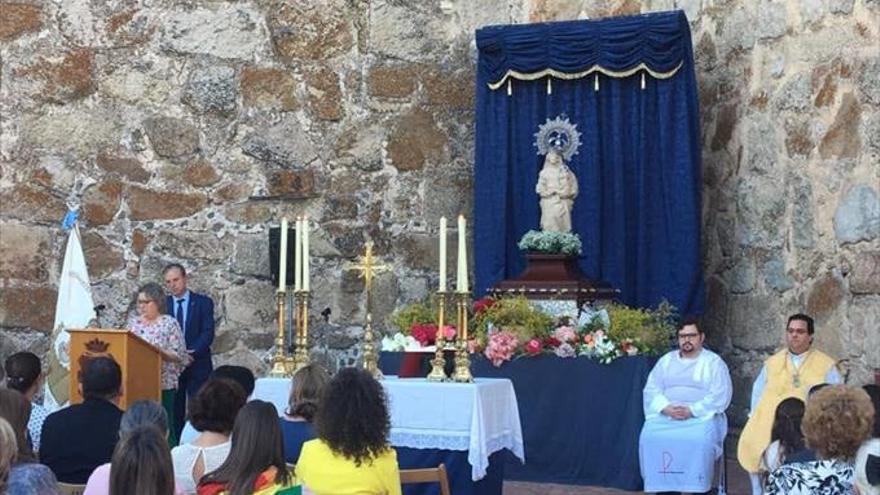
x: 164, y: 118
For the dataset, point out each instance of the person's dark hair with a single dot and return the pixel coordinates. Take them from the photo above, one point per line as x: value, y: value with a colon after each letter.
x: 805, y: 318
x: 144, y: 413
x: 16, y: 409
x: 215, y: 405
x: 101, y: 378
x: 141, y: 464
x: 172, y: 266
x: 837, y: 420
x: 305, y: 392
x: 155, y: 292
x: 22, y: 371
x: 353, y: 416
x: 874, y: 393
x: 787, y: 425
x: 815, y: 388
x: 239, y: 374
x: 689, y: 320
x: 256, y: 445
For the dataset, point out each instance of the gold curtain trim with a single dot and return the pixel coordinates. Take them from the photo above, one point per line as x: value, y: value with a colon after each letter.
x: 531, y: 76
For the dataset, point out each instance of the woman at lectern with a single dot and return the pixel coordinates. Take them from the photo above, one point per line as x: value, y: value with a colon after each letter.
x: 162, y: 331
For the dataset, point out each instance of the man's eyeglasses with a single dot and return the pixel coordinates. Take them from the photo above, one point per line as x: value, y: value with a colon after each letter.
x: 688, y: 336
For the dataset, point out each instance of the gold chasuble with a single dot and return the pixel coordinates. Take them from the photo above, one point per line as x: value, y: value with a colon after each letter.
x: 783, y: 381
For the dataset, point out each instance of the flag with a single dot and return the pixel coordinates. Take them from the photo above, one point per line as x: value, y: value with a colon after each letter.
x: 74, y: 309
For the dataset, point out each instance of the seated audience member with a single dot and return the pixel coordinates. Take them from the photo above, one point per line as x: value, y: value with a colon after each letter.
x: 24, y: 373
x: 351, y: 454
x: 874, y: 393
x: 212, y: 412
x: 786, y: 437
x: 685, y: 398
x: 19, y: 474
x: 141, y: 413
x: 837, y: 420
x: 256, y: 460
x: 238, y: 374
x: 867, y: 468
x: 805, y: 454
x: 79, y: 438
x: 142, y: 464
x: 296, y: 425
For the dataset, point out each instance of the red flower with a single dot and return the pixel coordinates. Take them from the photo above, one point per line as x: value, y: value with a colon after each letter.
x: 534, y: 346
x: 551, y: 342
x: 425, y: 334
x: 483, y: 304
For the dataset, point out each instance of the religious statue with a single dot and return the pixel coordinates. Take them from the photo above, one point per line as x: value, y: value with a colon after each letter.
x: 557, y: 186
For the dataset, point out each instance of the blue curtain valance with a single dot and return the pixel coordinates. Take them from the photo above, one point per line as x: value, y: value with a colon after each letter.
x: 616, y: 47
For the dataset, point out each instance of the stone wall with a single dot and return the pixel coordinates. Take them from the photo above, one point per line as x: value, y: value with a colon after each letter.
x: 166, y: 118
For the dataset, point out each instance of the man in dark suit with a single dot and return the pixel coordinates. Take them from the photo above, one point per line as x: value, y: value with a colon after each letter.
x: 77, y: 439
x: 195, y: 314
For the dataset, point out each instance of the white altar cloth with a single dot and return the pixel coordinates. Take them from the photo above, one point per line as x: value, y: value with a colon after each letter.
x: 481, y: 418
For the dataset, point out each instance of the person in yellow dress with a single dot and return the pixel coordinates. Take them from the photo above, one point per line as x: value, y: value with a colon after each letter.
x: 351, y: 455
x: 790, y: 372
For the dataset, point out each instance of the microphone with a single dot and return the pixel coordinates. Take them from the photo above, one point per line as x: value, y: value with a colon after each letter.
x: 326, y: 314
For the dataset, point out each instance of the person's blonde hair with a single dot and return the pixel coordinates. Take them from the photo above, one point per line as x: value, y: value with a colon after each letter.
x: 8, y: 450
x: 305, y: 392
x: 837, y: 420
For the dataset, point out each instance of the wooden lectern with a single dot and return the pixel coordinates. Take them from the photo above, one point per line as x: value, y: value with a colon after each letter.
x: 141, y: 362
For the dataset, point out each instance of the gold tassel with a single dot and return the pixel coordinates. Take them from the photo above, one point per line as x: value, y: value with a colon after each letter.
x: 549, y: 86
x: 596, y: 83
x: 509, y: 87
x: 643, y: 81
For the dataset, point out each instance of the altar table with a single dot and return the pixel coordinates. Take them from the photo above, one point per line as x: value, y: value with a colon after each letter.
x: 466, y: 426
x: 580, y: 419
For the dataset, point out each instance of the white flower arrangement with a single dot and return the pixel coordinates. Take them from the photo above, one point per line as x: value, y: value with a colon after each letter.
x: 551, y: 242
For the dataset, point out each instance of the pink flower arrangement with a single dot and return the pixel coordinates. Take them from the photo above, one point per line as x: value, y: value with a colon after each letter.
x: 534, y: 346
x: 501, y: 346
x: 565, y: 334
x: 483, y: 304
x: 426, y: 333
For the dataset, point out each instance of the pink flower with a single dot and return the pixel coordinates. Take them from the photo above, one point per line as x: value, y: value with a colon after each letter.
x: 501, y: 347
x: 629, y: 348
x: 565, y: 351
x: 534, y: 346
x: 449, y: 332
x: 424, y: 333
x: 565, y: 334
x: 589, y: 340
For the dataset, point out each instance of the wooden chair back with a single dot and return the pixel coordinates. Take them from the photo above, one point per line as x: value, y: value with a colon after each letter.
x: 71, y: 489
x: 427, y: 475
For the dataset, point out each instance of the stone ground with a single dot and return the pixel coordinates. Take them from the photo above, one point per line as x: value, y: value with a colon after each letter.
x: 737, y: 481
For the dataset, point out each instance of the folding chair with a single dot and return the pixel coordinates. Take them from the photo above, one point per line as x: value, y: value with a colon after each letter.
x: 427, y: 475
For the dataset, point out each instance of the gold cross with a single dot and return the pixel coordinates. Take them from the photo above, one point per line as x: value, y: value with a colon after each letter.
x: 368, y: 267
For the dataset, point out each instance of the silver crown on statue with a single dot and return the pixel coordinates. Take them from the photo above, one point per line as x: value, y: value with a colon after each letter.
x: 558, y: 135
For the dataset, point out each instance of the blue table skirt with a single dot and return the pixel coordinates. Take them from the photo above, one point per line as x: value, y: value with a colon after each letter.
x: 581, y: 419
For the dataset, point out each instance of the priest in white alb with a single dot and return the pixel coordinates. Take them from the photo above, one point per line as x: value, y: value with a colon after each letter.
x: 685, y: 398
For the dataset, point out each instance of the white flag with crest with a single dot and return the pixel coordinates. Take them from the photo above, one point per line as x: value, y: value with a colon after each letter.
x: 74, y: 309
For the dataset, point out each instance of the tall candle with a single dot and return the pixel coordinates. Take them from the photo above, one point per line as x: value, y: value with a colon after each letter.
x: 462, y: 281
x: 305, y: 248
x: 442, y: 254
x: 282, y: 257
x: 297, y: 264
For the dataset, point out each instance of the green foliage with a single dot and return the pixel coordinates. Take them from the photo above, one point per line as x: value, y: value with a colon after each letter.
x: 516, y: 315
x: 651, y: 331
x: 550, y: 242
x: 418, y: 312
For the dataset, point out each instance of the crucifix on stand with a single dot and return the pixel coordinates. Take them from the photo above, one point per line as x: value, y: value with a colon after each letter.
x: 368, y: 270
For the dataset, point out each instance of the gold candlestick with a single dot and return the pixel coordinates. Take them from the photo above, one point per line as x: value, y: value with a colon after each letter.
x: 301, y: 357
x: 438, y: 373
x: 371, y: 359
x: 462, y: 372
x: 279, y: 361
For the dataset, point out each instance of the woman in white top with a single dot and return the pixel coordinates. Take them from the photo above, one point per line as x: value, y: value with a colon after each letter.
x: 212, y: 412
x: 24, y: 374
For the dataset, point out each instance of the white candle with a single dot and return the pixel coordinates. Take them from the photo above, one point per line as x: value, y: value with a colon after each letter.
x: 305, y: 248
x: 462, y: 281
x: 297, y: 263
x: 282, y: 257
x: 442, y: 254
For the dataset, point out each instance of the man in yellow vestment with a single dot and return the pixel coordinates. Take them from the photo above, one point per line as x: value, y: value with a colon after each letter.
x: 788, y: 373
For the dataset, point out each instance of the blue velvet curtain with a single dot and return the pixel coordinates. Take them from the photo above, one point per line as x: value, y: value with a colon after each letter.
x: 638, y: 166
